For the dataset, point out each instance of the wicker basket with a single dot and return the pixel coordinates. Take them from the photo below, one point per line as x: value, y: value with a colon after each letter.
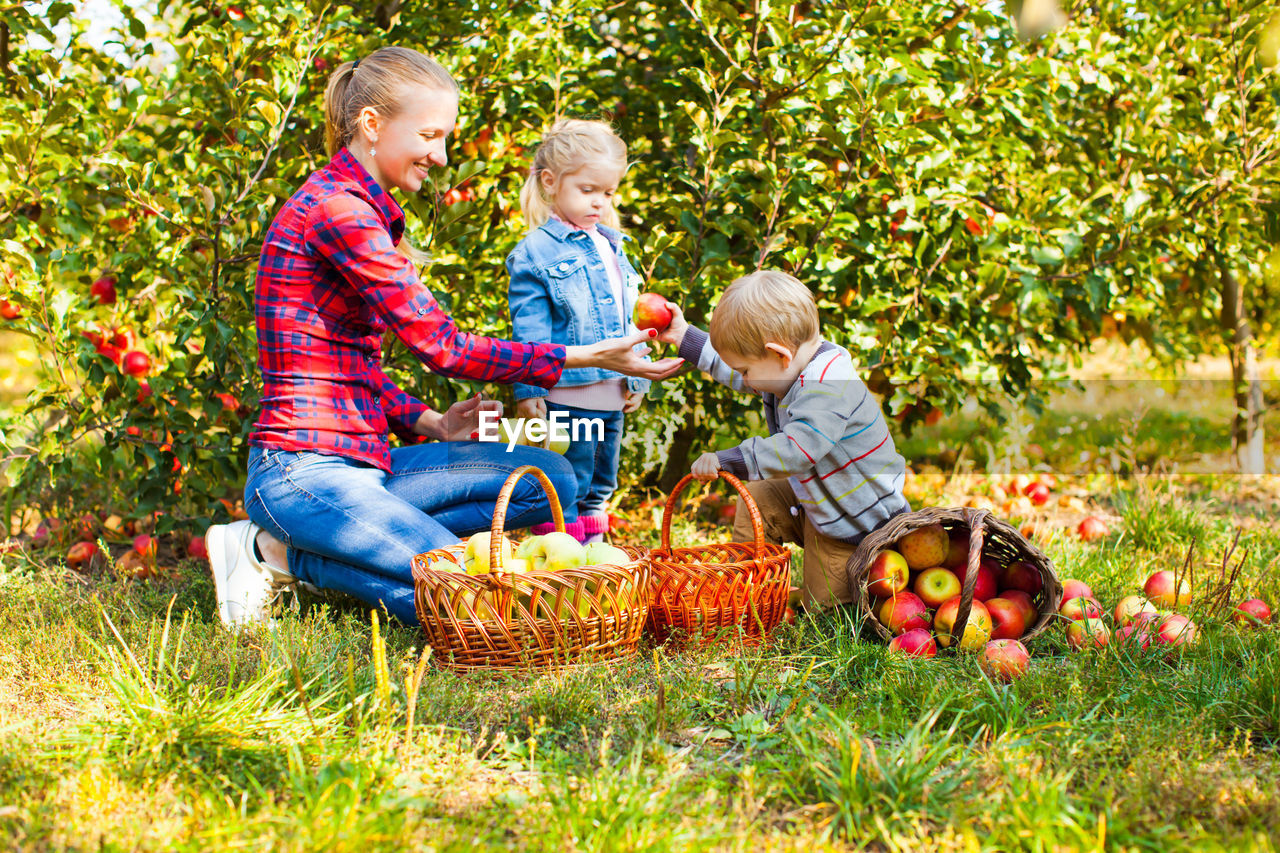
x: 533, y: 620
x: 987, y: 534
x: 702, y: 589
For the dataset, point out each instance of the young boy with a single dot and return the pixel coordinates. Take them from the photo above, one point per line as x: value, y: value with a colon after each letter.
x: 828, y: 473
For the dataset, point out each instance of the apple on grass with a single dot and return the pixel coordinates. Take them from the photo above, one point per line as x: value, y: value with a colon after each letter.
x: 916, y: 643
x: 1135, y: 635
x: 1254, y: 613
x: 977, y: 631
x: 888, y: 574
x: 1072, y: 588
x: 904, y: 612
x: 145, y: 546
x: 82, y: 556
x: 1165, y: 589
x: 1091, y: 528
x: 651, y: 312
x: 1090, y: 632
x: 197, y: 549
x: 1008, y: 618
x: 1177, y: 630
x: 924, y: 547
x: 934, y: 586
x: 1077, y: 609
x: 1129, y: 607
x: 1005, y: 659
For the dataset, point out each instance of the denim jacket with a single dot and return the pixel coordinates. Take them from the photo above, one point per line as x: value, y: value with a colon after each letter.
x: 559, y: 292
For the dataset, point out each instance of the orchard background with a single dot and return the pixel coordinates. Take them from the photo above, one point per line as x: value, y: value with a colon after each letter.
x: 972, y: 209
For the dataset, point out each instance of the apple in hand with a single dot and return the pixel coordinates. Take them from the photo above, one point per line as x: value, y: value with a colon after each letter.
x: 1021, y: 575
x: 477, y: 553
x: 1008, y: 618
x: 1076, y: 609
x: 651, y: 312
x: 977, y: 631
x: 1129, y: 607
x: 554, y: 552
x: 1005, y: 659
x: 924, y: 547
x: 1254, y: 613
x: 1088, y: 632
x: 934, y: 586
x: 1165, y: 589
x: 916, y: 643
x: 888, y: 574
x: 904, y: 612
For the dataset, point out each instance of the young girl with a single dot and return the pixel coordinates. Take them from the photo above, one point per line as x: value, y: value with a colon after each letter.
x: 571, y: 283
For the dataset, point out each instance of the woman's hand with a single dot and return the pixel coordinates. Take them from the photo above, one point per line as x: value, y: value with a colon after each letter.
x: 674, y: 332
x: 617, y: 354
x: 706, y: 468
x: 460, y: 423
x: 532, y: 407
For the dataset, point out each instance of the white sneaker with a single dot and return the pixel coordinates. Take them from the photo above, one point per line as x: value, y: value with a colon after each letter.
x: 245, y: 586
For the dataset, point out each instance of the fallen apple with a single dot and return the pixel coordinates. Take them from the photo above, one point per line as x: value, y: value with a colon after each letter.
x: 1072, y: 588
x: 1129, y: 607
x: 1177, y: 630
x: 1166, y: 589
x: 1077, y: 609
x: 904, y: 612
x: 1091, y: 528
x: 83, y: 556
x: 1005, y: 659
x: 197, y: 549
x: 145, y: 546
x: 916, y: 643
x: 1088, y: 632
x: 1253, y: 613
x: 1134, y: 635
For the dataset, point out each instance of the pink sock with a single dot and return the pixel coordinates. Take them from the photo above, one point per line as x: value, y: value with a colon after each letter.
x: 574, y: 529
x: 540, y: 529
x: 594, y: 526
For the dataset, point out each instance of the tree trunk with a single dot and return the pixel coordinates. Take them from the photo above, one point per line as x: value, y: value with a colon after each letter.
x: 1246, y: 380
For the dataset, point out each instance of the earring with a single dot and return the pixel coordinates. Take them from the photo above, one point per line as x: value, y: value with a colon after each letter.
x: 373, y: 152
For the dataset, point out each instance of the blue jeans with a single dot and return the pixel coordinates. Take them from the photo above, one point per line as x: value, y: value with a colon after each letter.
x: 594, y: 458
x: 354, y: 528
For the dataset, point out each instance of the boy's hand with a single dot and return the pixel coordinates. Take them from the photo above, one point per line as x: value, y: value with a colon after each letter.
x: 532, y: 407
x: 674, y: 333
x: 634, y: 400
x: 706, y: 468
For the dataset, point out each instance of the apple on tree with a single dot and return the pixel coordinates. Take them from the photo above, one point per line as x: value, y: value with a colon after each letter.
x: 104, y: 290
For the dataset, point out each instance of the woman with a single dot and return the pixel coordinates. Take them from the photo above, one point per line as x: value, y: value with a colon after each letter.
x: 330, y: 504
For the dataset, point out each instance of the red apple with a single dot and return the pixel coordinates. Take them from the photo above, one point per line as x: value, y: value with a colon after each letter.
x: 976, y: 631
x: 1031, y: 613
x: 1129, y: 607
x: 1092, y: 528
x: 984, y: 586
x: 958, y: 550
x: 1039, y: 493
x: 1021, y: 575
x: 1005, y: 660
x: 197, y: 548
x: 145, y: 545
x: 1076, y: 589
x: 82, y: 556
x: 1088, y: 632
x: 1077, y: 609
x: 104, y: 290
x: 1008, y: 618
x: 888, y: 574
x: 904, y: 612
x: 934, y: 586
x: 9, y: 311
x: 1177, y: 630
x: 651, y: 312
x: 924, y: 547
x: 1134, y: 635
x: 144, y: 390
x: 136, y: 363
x: 1254, y: 613
x: 916, y: 643
x: 1165, y: 589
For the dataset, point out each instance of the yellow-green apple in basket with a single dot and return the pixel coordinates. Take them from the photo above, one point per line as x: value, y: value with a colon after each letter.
x: 477, y: 553
x: 924, y: 547
x: 555, y: 552
x: 934, y: 586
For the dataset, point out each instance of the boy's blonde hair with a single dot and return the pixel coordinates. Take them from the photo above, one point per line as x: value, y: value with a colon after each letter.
x: 571, y: 144
x: 380, y: 82
x: 763, y: 307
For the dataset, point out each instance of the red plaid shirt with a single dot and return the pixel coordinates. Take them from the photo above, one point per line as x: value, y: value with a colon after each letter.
x: 330, y: 283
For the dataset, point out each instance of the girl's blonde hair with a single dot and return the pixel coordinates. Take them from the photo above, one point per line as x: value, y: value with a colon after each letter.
x: 764, y: 307
x: 571, y: 144
x: 378, y: 81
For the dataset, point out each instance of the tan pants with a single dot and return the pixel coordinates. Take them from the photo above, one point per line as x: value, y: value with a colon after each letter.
x: 826, y: 582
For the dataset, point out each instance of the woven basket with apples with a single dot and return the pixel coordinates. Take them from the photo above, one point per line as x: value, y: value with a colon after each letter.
x: 550, y: 601
x: 702, y: 589
x: 954, y: 578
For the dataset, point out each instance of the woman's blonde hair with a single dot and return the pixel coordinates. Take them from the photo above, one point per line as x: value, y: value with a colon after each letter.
x: 763, y: 307
x: 379, y: 82
x: 571, y: 144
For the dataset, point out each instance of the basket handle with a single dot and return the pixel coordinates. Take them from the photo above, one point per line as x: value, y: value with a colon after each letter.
x: 757, y: 525
x: 974, y: 517
x: 504, y: 499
